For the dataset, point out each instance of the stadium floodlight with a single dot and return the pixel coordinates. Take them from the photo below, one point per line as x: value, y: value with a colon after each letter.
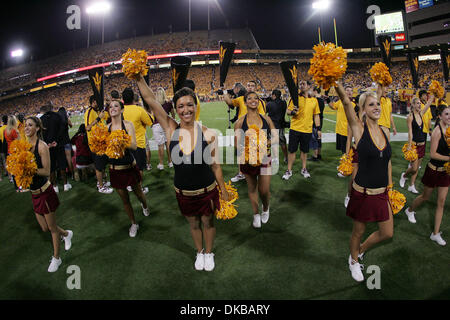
x: 17, y: 53
x: 321, y: 5
x: 99, y: 7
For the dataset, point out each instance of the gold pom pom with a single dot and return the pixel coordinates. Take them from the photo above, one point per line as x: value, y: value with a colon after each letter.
x: 134, y: 63
x: 118, y: 141
x: 380, y: 74
x: 447, y: 167
x: 345, y: 164
x: 21, y: 163
x: 98, y: 142
x: 436, y: 89
x: 255, y: 146
x: 397, y: 200
x: 410, y: 154
x: 227, y: 208
x: 447, y: 136
x: 328, y: 64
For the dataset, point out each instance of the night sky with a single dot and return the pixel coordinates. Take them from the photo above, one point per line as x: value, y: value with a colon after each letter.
x: 40, y: 25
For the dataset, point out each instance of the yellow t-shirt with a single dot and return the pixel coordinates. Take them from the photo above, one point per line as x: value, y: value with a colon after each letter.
x: 197, y: 111
x: 89, y: 116
x: 1, y: 131
x: 386, y: 110
x: 426, y: 119
x: 140, y: 119
x: 239, y: 102
x: 341, y: 118
x: 303, y: 120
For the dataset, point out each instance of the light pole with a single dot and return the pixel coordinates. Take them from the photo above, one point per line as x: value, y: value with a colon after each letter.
x: 321, y: 6
x: 189, y: 15
x: 99, y: 7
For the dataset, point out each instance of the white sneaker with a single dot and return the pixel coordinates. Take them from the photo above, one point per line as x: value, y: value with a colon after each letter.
x: 412, y: 189
x: 68, y: 240
x: 265, y: 216
x: 257, y: 220
x: 160, y: 166
x: 200, y: 261
x: 149, y: 167
x: 305, y: 173
x: 355, y: 269
x: 133, y: 230
x: 287, y: 175
x: 402, y: 180
x: 347, y: 199
x: 105, y: 190
x: 170, y: 164
x: 56, y: 189
x: 209, y: 261
x: 238, y: 177
x: 340, y: 175
x: 145, y: 211
x: 54, y: 264
x: 106, y: 184
x: 145, y: 190
x: 67, y: 187
x: 438, y: 239
x: 129, y: 189
x: 410, y: 215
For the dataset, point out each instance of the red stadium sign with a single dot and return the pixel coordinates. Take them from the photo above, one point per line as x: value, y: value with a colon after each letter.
x: 159, y: 56
x: 400, y: 37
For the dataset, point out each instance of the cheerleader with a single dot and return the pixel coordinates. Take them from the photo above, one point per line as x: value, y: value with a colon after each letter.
x: 417, y: 137
x: 45, y: 199
x: 369, y: 200
x: 257, y: 176
x: 123, y: 172
x: 194, y: 153
x: 435, y: 175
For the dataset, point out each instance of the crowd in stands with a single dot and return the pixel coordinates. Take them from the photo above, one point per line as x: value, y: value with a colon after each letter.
x: 206, y: 78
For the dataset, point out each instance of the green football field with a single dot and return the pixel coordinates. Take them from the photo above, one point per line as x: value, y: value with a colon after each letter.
x: 301, y: 253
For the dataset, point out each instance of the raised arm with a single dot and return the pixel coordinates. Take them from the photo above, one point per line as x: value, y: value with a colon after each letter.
x: 427, y: 105
x: 350, y: 113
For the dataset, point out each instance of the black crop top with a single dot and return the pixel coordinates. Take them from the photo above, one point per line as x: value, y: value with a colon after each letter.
x: 38, y: 181
x: 373, y: 162
x: 442, y: 149
x: 417, y: 131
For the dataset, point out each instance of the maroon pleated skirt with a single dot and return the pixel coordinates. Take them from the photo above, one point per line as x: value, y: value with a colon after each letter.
x: 368, y: 208
x: 120, y: 179
x: 253, y: 170
x: 432, y: 178
x: 199, y: 205
x: 421, y: 151
x: 45, y: 202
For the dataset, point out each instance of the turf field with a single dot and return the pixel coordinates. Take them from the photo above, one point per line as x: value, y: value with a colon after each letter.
x: 300, y: 254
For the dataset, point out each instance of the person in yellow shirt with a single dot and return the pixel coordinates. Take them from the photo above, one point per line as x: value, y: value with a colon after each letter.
x: 92, y: 116
x: 341, y: 120
x: 3, y: 147
x: 301, y: 128
x: 239, y: 103
x: 428, y: 116
x: 141, y: 120
x: 386, y: 118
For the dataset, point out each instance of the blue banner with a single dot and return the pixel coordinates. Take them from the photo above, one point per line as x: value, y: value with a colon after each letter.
x: 425, y: 3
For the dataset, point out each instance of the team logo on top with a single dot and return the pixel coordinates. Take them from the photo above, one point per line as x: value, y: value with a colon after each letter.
x: 416, y: 63
x: 97, y: 81
x: 294, y: 74
x: 387, y: 46
x: 222, y: 54
x: 175, y: 75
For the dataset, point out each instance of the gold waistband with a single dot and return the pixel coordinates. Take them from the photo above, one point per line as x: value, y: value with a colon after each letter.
x: 122, y: 167
x: 41, y: 189
x: 197, y: 192
x: 419, y: 143
x: 436, y: 168
x: 368, y: 191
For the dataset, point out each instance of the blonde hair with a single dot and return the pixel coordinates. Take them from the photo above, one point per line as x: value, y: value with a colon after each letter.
x: 160, y: 95
x: 363, y: 98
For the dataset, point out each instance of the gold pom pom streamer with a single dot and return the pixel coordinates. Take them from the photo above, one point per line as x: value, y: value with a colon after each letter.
x: 380, y: 74
x: 227, y: 208
x: 397, y: 200
x: 118, y: 141
x: 134, y: 63
x: 436, y: 89
x: 255, y: 146
x: 447, y: 136
x: 21, y: 163
x: 447, y: 167
x: 410, y: 154
x: 328, y: 64
x: 345, y: 164
x: 98, y: 142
